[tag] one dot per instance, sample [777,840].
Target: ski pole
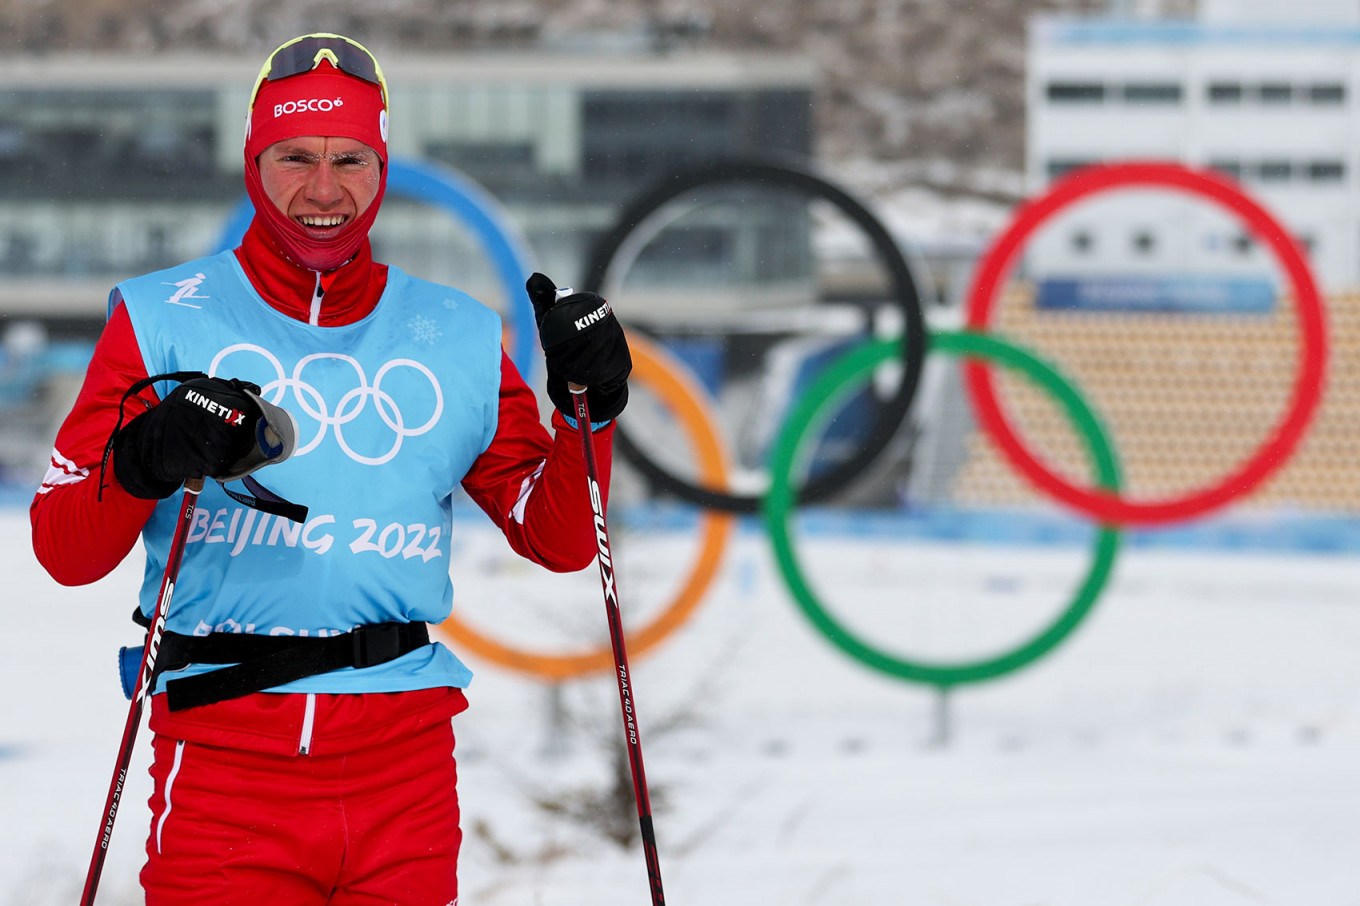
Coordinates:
[611,605]
[192,487]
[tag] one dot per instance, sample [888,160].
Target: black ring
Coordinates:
[781,173]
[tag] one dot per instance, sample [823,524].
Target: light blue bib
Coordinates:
[391,411]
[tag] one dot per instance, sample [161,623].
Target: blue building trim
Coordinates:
[1106,32]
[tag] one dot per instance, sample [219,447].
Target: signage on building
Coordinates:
[1188,293]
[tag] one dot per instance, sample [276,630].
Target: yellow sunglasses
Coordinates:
[306,53]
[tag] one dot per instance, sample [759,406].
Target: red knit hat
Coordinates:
[324,101]
[327,101]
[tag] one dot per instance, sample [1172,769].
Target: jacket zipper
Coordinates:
[315,316]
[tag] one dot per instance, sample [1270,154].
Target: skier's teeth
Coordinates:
[328,220]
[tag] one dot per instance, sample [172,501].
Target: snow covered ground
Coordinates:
[1196,743]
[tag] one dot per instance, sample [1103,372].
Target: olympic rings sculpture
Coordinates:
[688,401]
[1103,503]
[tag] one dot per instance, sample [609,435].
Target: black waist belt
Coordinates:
[261,662]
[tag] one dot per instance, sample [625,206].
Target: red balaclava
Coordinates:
[327,102]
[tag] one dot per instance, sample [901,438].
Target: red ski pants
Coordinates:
[376,826]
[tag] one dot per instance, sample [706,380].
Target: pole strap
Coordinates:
[259,497]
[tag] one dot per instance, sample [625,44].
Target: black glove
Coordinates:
[201,429]
[584,344]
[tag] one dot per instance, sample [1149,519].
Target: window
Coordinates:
[111,143]
[1326,171]
[1329,93]
[1060,166]
[498,166]
[631,137]
[1275,170]
[1152,93]
[1083,242]
[1076,92]
[1276,92]
[1227,167]
[1144,242]
[1225,92]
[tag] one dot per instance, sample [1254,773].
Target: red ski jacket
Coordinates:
[530,482]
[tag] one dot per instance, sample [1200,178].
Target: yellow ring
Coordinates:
[653,366]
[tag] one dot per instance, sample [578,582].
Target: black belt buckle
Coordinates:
[377,643]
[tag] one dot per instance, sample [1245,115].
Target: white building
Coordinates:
[1265,92]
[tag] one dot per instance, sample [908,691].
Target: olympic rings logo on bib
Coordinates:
[312,403]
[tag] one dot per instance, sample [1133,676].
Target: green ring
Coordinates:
[831,388]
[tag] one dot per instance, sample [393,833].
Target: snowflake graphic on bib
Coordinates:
[424,330]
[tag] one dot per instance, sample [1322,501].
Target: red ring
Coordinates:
[1111,508]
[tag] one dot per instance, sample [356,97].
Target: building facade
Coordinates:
[1254,92]
[113,167]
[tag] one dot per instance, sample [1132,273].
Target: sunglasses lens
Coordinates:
[301,56]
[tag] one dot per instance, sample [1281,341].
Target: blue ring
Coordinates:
[476,209]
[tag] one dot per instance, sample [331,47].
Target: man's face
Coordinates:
[321,183]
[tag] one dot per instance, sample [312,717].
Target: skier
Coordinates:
[318,767]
